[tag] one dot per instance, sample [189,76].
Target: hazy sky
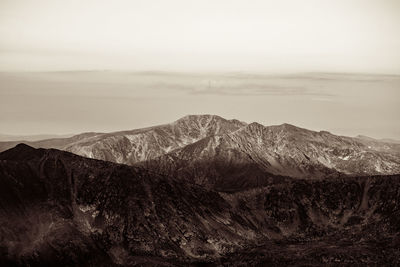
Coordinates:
[74,102]
[201,35]
[201,42]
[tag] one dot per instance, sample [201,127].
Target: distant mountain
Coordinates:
[138,145]
[373,140]
[57,208]
[261,154]
[59,143]
[134,146]
[38,137]
[187,146]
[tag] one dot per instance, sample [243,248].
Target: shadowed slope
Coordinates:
[60,208]
[264,153]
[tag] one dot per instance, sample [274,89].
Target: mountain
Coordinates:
[187,145]
[59,143]
[129,147]
[57,208]
[377,141]
[10,138]
[141,144]
[257,155]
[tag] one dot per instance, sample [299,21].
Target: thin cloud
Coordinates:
[258,89]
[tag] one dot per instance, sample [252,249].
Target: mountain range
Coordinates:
[232,155]
[61,209]
[202,190]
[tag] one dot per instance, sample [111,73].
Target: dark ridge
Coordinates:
[20,152]
[66,210]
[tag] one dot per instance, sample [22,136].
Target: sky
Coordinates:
[206,35]
[107,101]
[77,66]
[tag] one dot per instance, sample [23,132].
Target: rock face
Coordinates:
[57,208]
[257,155]
[293,151]
[134,146]
[81,208]
[188,144]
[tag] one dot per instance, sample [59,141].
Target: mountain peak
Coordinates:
[19,152]
[208,120]
[255,125]
[23,146]
[197,117]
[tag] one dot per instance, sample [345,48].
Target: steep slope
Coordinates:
[290,150]
[129,147]
[263,153]
[213,163]
[185,146]
[139,145]
[335,222]
[61,209]
[88,209]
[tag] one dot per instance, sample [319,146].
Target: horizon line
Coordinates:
[359,135]
[156,71]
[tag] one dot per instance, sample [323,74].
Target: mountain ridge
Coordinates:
[279,150]
[58,208]
[283,149]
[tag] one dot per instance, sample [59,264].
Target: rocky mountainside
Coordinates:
[309,153]
[62,208]
[133,146]
[257,155]
[57,208]
[192,142]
